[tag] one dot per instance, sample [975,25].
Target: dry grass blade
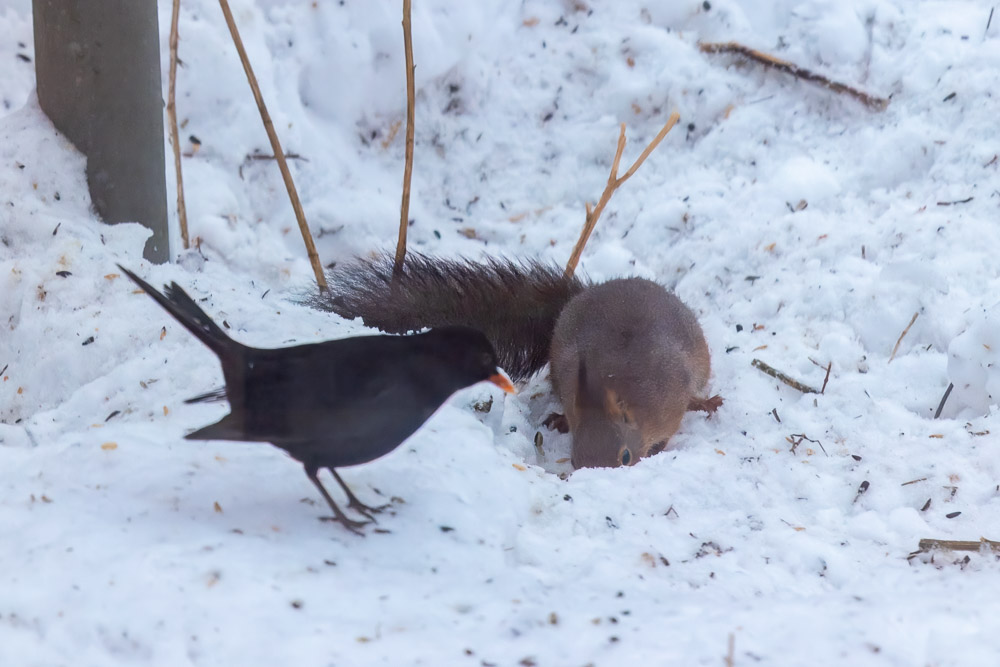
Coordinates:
[404,212]
[899,341]
[172,120]
[279,154]
[614,182]
[766,59]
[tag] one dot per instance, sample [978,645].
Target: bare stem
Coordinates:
[279,155]
[172,120]
[404,212]
[614,182]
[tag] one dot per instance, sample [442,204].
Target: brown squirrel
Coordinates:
[628,357]
[628,360]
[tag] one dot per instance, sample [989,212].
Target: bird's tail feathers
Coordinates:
[184,309]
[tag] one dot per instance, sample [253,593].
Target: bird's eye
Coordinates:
[626,456]
[487,359]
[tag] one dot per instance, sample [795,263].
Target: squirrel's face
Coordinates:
[600,441]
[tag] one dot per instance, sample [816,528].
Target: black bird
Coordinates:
[339,402]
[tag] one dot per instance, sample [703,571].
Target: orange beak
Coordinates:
[501,380]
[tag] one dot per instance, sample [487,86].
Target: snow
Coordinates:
[125,543]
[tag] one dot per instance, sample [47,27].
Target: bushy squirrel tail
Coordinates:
[515,303]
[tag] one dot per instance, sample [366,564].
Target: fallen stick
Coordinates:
[778,375]
[876,103]
[172,120]
[928,544]
[279,154]
[593,213]
[404,212]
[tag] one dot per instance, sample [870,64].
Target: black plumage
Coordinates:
[335,403]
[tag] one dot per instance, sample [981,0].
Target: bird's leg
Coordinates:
[354,503]
[338,516]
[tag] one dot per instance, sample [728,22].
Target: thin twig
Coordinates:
[957,201]
[182,218]
[730,660]
[279,154]
[614,182]
[264,156]
[404,212]
[958,545]
[944,399]
[901,336]
[778,375]
[876,103]
[827,368]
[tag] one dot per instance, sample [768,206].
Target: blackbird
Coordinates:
[336,403]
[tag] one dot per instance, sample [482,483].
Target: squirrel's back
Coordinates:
[516,304]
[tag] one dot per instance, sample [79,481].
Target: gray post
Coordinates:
[97,63]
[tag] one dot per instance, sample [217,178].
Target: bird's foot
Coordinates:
[557,422]
[354,503]
[350,524]
[366,510]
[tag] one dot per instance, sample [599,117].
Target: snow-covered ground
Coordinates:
[801,226]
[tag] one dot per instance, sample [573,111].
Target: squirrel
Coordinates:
[628,358]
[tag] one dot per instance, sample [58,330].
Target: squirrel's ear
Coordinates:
[616,408]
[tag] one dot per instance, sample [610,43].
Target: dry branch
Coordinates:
[958,545]
[895,348]
[404,213]
[778,375]
[876,103]
[172,120]
[279,154]
[614,182]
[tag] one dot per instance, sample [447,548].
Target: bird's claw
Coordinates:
[350,524]
[367,510]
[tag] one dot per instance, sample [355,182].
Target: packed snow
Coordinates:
[803,228]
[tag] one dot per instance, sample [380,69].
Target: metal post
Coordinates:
[97,64]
